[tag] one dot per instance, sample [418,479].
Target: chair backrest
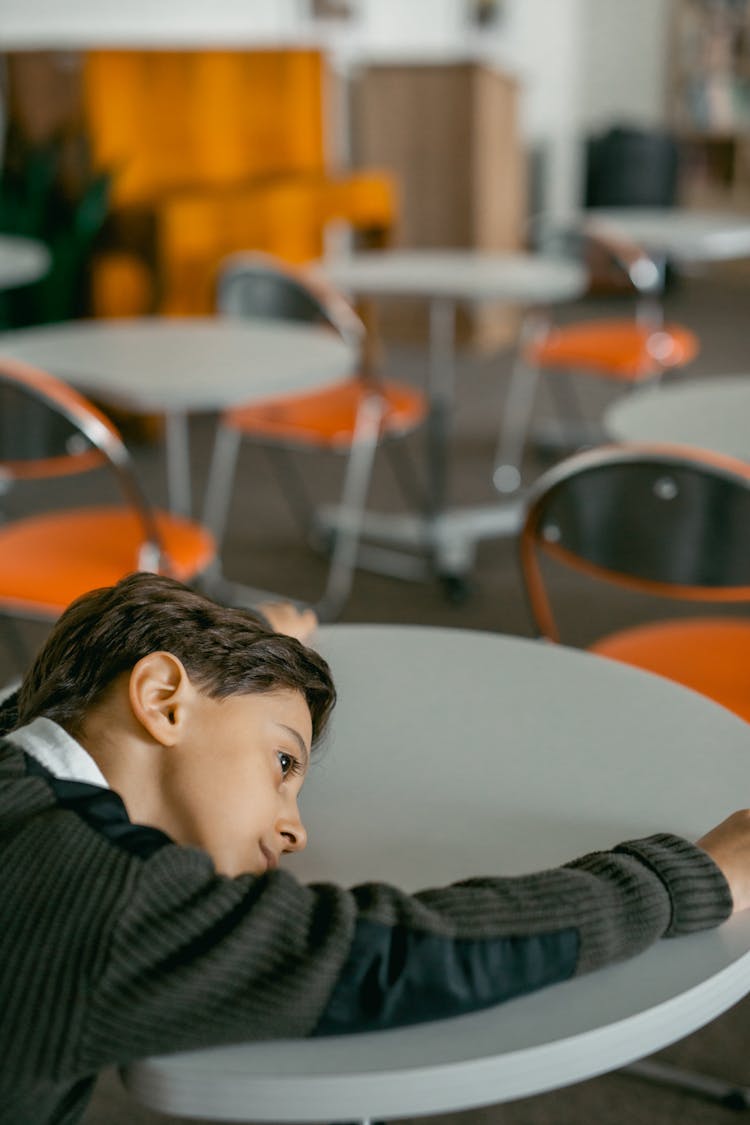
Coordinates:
[252,284]
[87,433]
[667,520]
[35,442]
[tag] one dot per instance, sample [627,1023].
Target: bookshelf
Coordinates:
[709,96]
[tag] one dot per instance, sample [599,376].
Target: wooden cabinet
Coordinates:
[449,135]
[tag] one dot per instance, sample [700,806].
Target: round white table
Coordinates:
[447,278]
[471,276]
[678,234]
[709,413]
[22,260]
[456,753]
[180,366]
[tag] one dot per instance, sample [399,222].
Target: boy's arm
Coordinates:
[526,932]
[196,959]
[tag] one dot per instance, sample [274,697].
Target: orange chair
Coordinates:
[352,416]
[662,520]
[52,556]
[625,351]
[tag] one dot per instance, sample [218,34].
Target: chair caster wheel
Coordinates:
[456,588]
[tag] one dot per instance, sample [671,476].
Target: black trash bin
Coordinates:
[631,167]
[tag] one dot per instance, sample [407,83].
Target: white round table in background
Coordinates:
[709,413]
[470,276]
[677,233]
[456,753]
[22,260]
[447,279]
[177,366]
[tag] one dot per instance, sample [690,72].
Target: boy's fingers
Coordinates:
[287,618]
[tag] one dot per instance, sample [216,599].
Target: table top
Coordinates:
[190,364]
[21,260]
[681,234]
[457,753]
[464,275]
[710,413]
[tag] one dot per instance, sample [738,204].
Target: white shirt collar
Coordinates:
[50,745]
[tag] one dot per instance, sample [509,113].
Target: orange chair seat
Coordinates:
[46,561]
[710,655]
[327,417]
[618,349]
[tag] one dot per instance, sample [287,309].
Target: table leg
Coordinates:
[515,421]
[438,540]
[441,378]
[178,462]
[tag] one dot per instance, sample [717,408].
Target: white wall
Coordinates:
[53,23]
[582,63]
[626,46]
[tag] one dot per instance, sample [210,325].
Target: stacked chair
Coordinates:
[49,556]
[352,416]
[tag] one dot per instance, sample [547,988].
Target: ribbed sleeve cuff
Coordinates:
[699,893]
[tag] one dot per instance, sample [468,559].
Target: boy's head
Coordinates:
[198,715]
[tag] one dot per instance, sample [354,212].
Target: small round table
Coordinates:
[446,279]
[22,260]
[178,366]
[676,233]
[709,413]
[456,753]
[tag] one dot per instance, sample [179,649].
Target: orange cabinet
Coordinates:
[226,149]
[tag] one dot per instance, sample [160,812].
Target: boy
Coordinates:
[148,792]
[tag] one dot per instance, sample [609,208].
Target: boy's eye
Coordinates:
[288,763]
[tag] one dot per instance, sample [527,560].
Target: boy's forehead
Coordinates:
[286,705]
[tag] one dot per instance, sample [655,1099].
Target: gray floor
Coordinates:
[265,549]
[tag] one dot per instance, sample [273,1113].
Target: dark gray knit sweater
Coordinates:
[116,943]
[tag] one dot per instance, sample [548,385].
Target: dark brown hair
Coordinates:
[225,650]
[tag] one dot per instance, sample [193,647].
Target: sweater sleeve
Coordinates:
[194,959]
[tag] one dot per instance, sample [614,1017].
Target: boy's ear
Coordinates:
[158,690]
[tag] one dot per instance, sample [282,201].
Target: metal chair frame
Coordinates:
[101,435]
[309,299]
[668,569]
[102,446]
[646,276]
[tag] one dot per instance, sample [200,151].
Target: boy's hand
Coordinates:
[284,617]
[729,847]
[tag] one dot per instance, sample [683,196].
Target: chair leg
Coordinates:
[514,425]
[515,422]
[405,473]
[220,479]
[292,485]
[352,510]
[575,429]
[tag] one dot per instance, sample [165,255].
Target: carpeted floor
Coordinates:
[265,549]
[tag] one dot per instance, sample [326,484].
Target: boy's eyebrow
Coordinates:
[299,740]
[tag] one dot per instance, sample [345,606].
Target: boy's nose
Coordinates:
[293,832]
